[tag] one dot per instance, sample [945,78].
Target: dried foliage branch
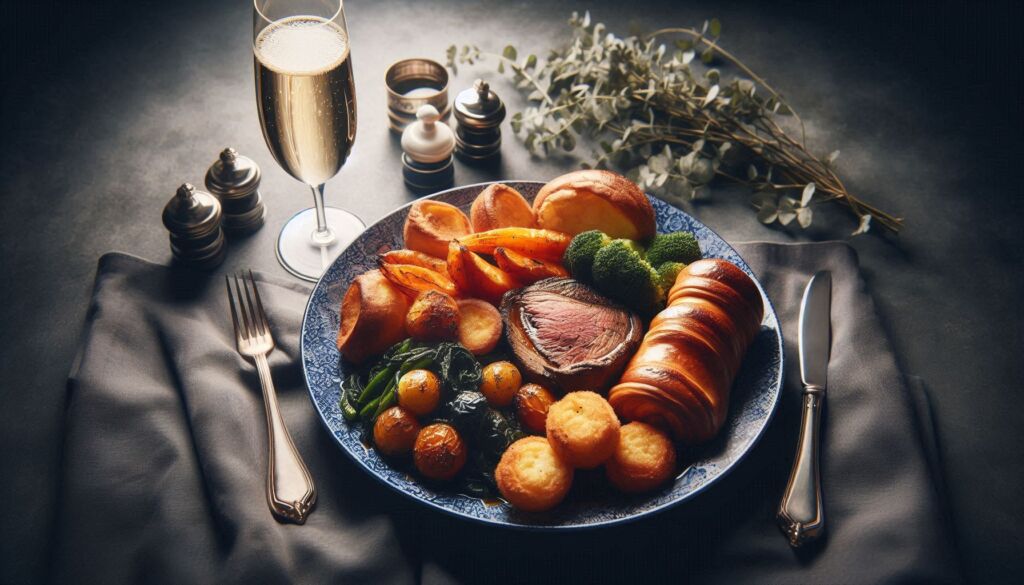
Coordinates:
[668,118]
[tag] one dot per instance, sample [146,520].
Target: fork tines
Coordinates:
[254,317]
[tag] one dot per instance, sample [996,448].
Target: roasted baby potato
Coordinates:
[476,277]
[415,258]
[479,326]
[535,243]
[419,392]
[532,403]
[583,429]
[395,431]
[531,476]
[439,453]
[431,224]
[433,316]
[500,382]
[413,280]
[643,460]
[525,269]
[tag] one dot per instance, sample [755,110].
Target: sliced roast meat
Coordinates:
[567,337]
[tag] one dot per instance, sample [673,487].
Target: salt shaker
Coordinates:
[235,180]
[194,219]
[427,158]
[479,112]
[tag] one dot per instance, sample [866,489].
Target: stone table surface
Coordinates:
[108,106]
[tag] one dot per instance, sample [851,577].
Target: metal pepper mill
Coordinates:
[235,180]
[479,112]
[194,219]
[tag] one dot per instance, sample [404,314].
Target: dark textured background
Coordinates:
[108,106]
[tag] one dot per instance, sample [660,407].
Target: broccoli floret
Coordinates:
[674,247]
[621,272]
[579,256]
[667,274]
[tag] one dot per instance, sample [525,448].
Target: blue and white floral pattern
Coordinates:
[591,502]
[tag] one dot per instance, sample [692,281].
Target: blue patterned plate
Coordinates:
[591,502]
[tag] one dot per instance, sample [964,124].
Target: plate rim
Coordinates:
[780,381]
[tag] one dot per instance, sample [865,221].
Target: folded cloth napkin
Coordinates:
[165,455]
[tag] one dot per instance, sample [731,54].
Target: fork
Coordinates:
[290,490]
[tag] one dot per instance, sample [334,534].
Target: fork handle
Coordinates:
[290,490]
[801,514]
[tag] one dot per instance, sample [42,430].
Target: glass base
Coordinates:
[298,248]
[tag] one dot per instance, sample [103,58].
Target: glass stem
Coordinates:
[323,235]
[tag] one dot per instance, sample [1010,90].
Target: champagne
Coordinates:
[306,96]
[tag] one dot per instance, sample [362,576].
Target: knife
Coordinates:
[801,515]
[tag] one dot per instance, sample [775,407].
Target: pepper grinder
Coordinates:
[235,180]
[479,112]
[427,158]
[193,218]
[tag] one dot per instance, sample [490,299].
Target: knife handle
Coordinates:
[801,514]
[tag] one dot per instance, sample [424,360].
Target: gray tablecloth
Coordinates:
[165,454]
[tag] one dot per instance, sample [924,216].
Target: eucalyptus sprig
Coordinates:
[667,116]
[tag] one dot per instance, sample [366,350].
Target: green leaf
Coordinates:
[715,28]
[531,62]
[509,53]
[501,67]
[708,55]
[684,44]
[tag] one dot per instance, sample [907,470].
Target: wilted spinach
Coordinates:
[456,367]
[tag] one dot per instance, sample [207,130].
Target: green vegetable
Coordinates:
[579,256]
[465,412]
[674,247]
[454,365]
[667,274]
[621,272]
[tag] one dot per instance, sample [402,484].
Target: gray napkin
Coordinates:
[165,457]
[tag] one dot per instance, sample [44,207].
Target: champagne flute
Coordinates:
[307,104]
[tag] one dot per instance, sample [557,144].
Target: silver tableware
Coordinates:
[411,84]
[801,514]
[290,490]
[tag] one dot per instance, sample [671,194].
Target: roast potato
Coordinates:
[479,326]
[419,392]
[643,460]
[531,404]
[531,476]
[439,453]
[395,431]
[433,316]
[583,429]
[500,382]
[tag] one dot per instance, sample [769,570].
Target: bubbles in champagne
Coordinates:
[301,45]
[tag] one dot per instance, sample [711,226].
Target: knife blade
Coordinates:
[801,512]
[816,330]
